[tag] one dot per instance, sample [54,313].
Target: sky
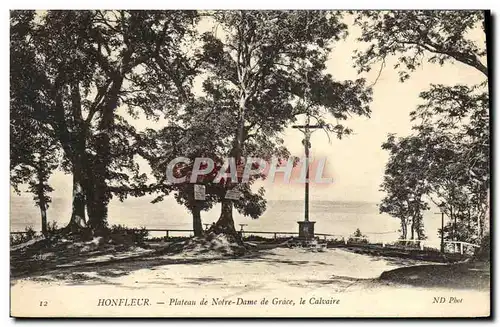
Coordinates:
[356,163]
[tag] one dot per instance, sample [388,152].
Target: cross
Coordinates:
[306,130]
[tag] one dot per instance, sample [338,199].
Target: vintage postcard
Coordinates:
[249,163]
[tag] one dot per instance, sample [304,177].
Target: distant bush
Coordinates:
[406,244]
[52,228]
[335,241]
[29,234]
[429,249]
[169,239]
[357,238]
[483,253]
[135,235]
[268,240]
[255,238]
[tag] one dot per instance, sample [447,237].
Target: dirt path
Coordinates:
[281,273]
[279,267]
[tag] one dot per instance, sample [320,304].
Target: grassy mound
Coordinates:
[64,250]
[208,246]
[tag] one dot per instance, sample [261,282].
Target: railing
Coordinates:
[422,244]
[168,231]
[275,234]
[462,244]
[17,233]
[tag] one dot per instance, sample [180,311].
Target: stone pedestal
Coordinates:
[306,229]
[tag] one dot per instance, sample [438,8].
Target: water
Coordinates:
[332,217]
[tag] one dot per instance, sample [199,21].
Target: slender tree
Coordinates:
[34,154]
[405,184]
[452,122]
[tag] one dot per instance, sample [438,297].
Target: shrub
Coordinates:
[255,238]
[169,239]
[483,252]
[358,238]
[407,244]
[52,228]
[141,234]
[15,239]
[29,234]
[335,241]
[137,235]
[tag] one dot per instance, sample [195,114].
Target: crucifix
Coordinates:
[306,227]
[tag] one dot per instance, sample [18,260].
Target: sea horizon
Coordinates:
[337,217]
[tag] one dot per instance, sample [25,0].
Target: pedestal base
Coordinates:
[306,229]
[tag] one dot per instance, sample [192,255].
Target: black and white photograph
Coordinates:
[250,163]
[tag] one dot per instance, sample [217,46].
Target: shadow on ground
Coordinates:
[469,275]
[104,272]
[399,254]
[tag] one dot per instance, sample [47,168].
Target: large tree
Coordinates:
[260,64]
[200,131]
[88,65]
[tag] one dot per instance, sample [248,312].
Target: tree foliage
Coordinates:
[404,184]
[262,66]
[415,36]
[81,77]
[84,73]
[445,160]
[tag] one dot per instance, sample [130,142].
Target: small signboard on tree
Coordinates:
[233,194]
[199,192]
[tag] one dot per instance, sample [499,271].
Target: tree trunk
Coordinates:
[89,193]
[78,220]
[403,228]
[40,190]
[43,214]
[413,228]
[479,229]
[225,223]
[454,218]
[100,199]
[79,162]
[99,204]
[197,227]
[101,196]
